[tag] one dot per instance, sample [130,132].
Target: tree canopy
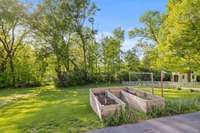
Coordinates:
[56,41]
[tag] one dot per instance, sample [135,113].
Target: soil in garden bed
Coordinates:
[119,95]
[141,96]
[104,99]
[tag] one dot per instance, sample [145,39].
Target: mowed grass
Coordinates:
[46,109]
[58,110]
[173,94]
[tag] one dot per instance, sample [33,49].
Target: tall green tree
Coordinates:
[148,37]
[52,24]
[132,62]
[152,21]
[180,36]
[12,30]
[61,25]
[112,52]
[84,10]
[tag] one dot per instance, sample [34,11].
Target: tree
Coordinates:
[180,36]
[118,34]
[52,23]
[148,37]
[2,60]
[12,30]
[61,25]
[152,21]
[84,11]
[131,60]
[112,52]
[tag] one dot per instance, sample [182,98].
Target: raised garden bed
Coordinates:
[117,92]
[104,103]
[141,100]
[138,99]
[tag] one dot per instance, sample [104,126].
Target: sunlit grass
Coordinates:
[50,109]
[170,93]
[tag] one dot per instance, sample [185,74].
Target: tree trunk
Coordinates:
[189,75]
[84,53]
[12,71]
[3,65]
[68,58]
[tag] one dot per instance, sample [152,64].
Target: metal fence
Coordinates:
[165,84]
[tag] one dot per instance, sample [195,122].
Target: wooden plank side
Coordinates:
[94,103]
[134,101]
[141,104]
[104,110]
[120,102]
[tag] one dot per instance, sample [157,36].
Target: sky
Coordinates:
[121,13]
[125,14]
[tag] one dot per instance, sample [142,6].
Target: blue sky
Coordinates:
[123,13]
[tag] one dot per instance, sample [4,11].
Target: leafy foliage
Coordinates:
[179,36]
[55,41]
[124,117]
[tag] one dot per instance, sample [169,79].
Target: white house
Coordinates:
[183,77]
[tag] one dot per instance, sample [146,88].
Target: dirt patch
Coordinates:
[104,99]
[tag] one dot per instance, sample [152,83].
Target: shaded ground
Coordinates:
[50,109]
[188,123]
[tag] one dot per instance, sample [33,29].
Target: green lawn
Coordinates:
[50,109]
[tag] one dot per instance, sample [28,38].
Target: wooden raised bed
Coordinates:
[141,100]
[104,103]
[138,99]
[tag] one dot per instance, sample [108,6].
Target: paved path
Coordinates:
[189,123]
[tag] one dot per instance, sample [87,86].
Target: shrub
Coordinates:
[23,85]
[192,90]
[65,79]
[156,112]
[174,107]
[124,117]
[123,76]
[179,88]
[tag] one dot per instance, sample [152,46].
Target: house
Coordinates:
[183,77]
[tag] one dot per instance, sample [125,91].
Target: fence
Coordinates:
[165,84]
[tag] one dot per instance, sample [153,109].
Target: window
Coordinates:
[192,76]
[183,76]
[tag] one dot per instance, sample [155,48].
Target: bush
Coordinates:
[173,107]
[23,85]
[124,117]
[66,79]
[176,107]
[192,90]
[96,78]
[77,77]
[123,76]
[4,81]
[179,88]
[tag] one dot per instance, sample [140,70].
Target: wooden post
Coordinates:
[129,74]
[152,83]
[161,79]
